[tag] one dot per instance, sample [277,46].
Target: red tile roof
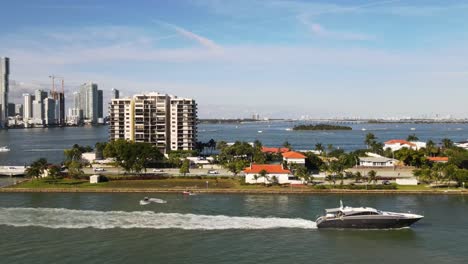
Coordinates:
[274,150]
[438,159]
[269,168]
[399,141]
[293,155]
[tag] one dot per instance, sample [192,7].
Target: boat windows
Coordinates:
[363,213]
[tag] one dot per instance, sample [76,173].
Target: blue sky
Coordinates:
[277,58]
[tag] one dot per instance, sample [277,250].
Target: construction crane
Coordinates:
[53,77]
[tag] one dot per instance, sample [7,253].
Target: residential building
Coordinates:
[75,116]
[49,112]
[19,109]
[167,121]
[100,107]
[397,144]
[438,159]
[4,89]
[273,173]
[462,144]
[59,98]
[183,120]
[87,99]
[38,113]
[377,162]
[121,119]
[115,94]
[38,107]
[28,108]
[292,157]
[274,150]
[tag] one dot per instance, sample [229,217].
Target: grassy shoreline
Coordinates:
[226,186]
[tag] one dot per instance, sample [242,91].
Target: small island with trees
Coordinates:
[320,127]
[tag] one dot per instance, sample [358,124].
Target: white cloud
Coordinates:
[319,30]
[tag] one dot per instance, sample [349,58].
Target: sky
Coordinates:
[277,58]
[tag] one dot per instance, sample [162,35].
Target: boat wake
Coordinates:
[78,219]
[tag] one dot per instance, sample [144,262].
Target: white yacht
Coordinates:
[365,218]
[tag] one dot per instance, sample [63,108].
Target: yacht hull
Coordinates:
[367,223]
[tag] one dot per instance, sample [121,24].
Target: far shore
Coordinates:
[231,191]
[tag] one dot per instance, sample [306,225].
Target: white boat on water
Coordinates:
[4,149]
[147,201]
[260,131]
[413,129]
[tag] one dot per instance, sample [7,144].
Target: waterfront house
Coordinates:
[397,144]
[438,159]
[274,150]
[292,157]
[462,144]
[379,162]
[273,173]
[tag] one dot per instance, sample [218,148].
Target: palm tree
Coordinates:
[370,139]
[372,176]
[256,178]
[264,174]
[287,145]
[37,168]
[357,176]
[447,143]
[319,147]
[430,148]
[412,137]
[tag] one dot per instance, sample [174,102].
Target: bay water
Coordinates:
[29,144]
[221,228]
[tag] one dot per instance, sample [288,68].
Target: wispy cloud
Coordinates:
[320,31]
[203,41]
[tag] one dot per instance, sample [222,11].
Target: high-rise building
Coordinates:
[115,94]
[38,107]
[28,107]
[168,122]
[88,100]
[11,109]
[4,89]
[19,109]
[183,123]
[59,98]
[49,111]
[100,108]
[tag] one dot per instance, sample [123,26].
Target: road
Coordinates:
[168,172]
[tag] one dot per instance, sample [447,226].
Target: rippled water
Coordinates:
[114,228]
[29,144]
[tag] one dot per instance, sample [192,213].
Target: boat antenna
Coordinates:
[341,204]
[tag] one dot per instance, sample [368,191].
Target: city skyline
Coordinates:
[281,59]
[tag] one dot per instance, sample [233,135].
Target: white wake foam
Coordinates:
[76,219]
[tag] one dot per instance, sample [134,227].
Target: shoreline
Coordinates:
[227,191]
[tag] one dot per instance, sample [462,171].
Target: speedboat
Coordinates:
[147,200]
[365,218]
[4,149]
[188,193]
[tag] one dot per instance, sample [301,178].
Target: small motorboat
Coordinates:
[260,131]
[147,200]
[188,193]
[365,218]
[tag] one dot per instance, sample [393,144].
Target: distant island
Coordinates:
[320,127]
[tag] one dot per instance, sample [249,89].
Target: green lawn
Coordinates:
[174,183]
[137,184]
